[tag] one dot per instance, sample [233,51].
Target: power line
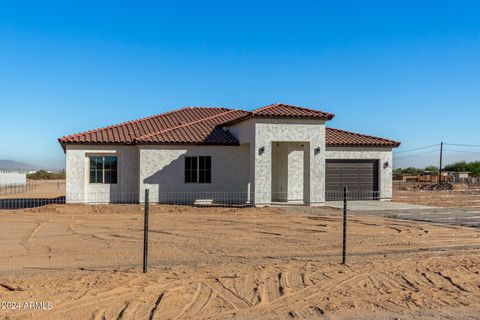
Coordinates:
[416,149]
[463,145]
[416,155]
[462,151]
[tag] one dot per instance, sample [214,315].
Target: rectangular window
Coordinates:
[198,169]
[204,169]
[191,172]
[103,170]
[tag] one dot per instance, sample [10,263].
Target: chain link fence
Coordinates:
[89,232]
[17,188]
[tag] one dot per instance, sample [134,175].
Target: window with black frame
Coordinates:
[204,169]
[103,169]
[198,169]
[191,172]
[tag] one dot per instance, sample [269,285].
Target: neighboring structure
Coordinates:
[424,177]
[461,177]
[275,153]
[12,177]
[446,177]
[430,177]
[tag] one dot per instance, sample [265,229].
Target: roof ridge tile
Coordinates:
[146,137]
[386,142]
[125,123]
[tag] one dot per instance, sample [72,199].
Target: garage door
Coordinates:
[360,176]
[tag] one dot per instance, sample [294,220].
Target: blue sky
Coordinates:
[407,70]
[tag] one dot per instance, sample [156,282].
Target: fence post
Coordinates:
[145,234]
[344,240]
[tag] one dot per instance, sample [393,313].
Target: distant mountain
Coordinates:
[16,165]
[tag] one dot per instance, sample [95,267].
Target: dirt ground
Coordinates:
[468,199]
[36,189]
[234,263]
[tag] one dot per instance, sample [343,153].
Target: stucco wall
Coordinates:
[384,155]
[289,130]
[162,172]
[289,168]
[244,131]
[296,168]
[78,187]
[279,171]
[8,177]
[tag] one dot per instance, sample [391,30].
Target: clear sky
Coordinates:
[407,70]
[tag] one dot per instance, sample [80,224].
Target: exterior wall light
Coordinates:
[316,150]
[386,165]
[261,150]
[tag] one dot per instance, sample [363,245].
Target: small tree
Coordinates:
[473,168]
[432,169]
[463,166]
[457,166]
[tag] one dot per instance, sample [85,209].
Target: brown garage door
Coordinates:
[360,176]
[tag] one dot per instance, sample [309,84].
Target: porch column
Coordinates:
[317,169]
[262,171]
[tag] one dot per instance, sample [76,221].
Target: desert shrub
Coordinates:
[462,166]
[44,175]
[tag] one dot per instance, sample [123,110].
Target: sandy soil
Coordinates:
[38,189]
[468,199]
[217,263]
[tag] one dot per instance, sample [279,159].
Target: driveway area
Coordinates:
[406,211]
[375,205]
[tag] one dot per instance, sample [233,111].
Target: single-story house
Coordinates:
[461,177]
[277,153]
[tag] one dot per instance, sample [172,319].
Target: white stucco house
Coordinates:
[277,153]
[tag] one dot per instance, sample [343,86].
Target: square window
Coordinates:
[103,170]
[198,169]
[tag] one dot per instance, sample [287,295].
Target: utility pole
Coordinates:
[440,168]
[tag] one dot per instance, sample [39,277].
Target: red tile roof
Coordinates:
[204,130]
[280,110]
[288,111]
[337,137]
[187,125]
[205,125]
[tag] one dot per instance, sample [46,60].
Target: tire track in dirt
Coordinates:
[237,301]
[26,240]
[153,312]
[269,287]
[450,280]
[282,303]
[90,300]
[7,287]
[35,230]
[122,311]
[99,315]
[202,296]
